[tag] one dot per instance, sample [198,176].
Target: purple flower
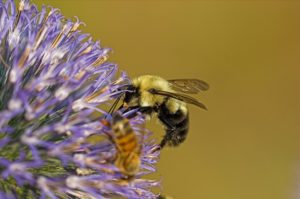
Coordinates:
[54,85]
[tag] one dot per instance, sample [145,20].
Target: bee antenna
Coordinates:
[113,107]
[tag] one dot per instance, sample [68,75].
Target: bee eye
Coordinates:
[151,90]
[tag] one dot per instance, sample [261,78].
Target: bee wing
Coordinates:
[179,96]
[191,86]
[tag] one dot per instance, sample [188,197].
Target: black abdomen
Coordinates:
[177,125]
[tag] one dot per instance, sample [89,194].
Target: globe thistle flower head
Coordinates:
[53,79]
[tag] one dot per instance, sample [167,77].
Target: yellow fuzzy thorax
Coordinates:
[146,82]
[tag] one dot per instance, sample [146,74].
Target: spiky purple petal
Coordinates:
[53,81]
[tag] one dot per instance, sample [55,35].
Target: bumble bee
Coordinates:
[152,94]
[127,145]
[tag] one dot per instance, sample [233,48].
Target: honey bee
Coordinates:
[155,95]
[127,145]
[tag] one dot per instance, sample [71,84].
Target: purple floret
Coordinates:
[54,84]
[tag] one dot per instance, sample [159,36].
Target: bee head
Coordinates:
[131,95]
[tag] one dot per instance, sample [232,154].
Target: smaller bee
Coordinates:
[127,144]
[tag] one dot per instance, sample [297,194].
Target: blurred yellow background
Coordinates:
[246,146]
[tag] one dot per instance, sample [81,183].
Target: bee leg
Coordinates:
[167,138]
[162,143]
[170,129]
